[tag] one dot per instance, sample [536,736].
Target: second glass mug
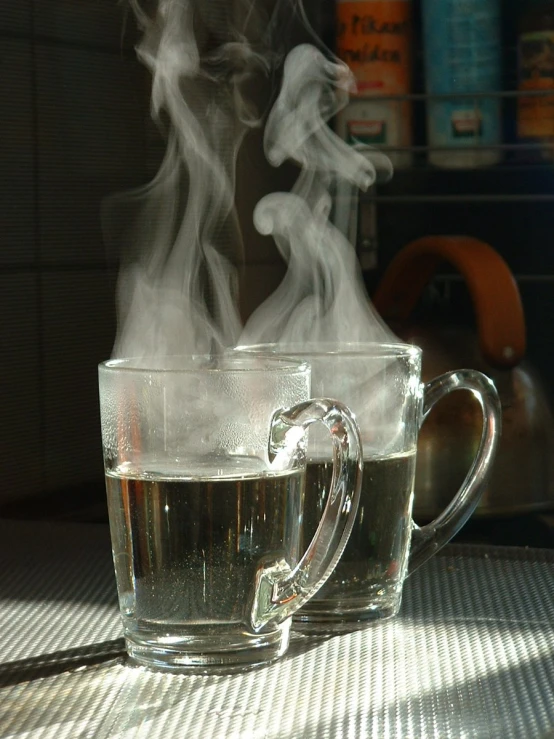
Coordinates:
[205,469]
[381,384]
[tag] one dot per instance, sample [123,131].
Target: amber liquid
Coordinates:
[367,581]
[187,549]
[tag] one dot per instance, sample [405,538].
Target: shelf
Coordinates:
[521,154]
[513,180]
[459,198]
[522,148]
[532,279]
[437,97]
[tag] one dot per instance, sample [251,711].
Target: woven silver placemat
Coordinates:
[57,588]
[471,655]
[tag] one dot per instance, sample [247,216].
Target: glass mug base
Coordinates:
[205,649]
[348,614]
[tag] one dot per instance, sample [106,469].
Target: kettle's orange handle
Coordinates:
[495,295]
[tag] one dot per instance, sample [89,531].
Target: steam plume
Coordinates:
[322,298]
[176,290]
[177,286]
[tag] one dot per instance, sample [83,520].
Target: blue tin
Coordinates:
[463,55]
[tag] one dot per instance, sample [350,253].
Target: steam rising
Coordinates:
[175,268]
[322,303]
[177,288]
[322,298]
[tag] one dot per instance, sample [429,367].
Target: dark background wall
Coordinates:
[73,102]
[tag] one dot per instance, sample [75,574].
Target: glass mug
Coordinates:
[205,470]
[381,384]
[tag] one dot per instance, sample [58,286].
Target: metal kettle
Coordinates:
[523,477]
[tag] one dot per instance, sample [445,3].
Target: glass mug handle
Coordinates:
[427,540]
[279,590]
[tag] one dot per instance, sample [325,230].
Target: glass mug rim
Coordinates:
[371,349]
[228,363]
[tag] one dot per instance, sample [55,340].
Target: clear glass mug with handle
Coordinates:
[205,471]
[381,384]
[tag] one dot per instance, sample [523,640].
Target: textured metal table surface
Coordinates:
[471,655]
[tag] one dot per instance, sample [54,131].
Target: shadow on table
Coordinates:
[518,701]
[56,562]
[35,692]
[57,663]
[68,660]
